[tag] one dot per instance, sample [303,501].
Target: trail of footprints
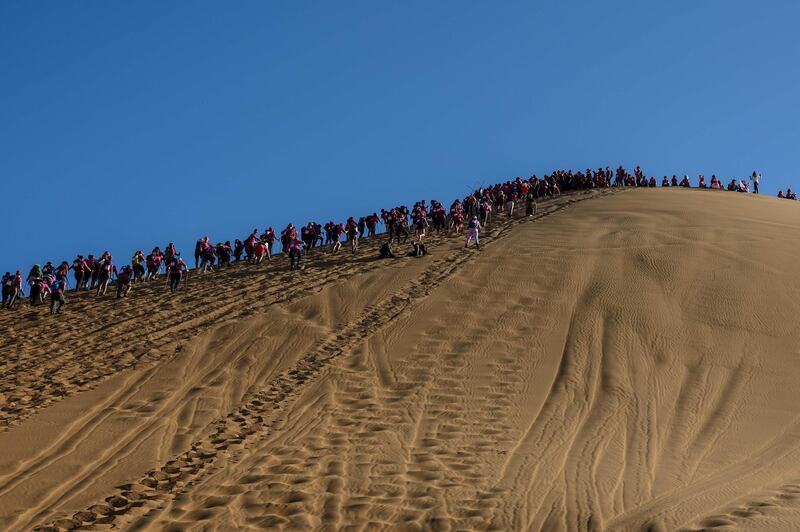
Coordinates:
[415,501]
[52,362]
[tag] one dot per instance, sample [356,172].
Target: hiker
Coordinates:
[473,228]
[44,287]
[34,280]
[238,249]
[288,235]
[7,283]
[48,268]
[372,224]
[124,278]
[224,254]
[307,235]
[295,252]
[362,226]
[511,200]
[486,212]
[419,249]
[456,216]
[269,238]
[259,252]
[57,290]
[62,270]
[175,269]
[439,216]
[685,182]
[207,256]
[79,268]
[37,291]
[199,246]
[755,178]
[106,268]
[16,290]
[170,253]
[352,232]
[420,219]
[456,220]
[530,205]
[249,244]
[336,231]
[137,265]
[400,227]
[386,251]
[665,182]
[153,262]
[702,181]
[94,266]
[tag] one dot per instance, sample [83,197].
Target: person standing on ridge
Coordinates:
[755,178]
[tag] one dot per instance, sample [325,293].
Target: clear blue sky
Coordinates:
[129,124]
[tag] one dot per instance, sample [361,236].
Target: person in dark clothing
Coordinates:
[386,251]
[57,295]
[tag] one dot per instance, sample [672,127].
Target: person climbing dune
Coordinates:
[176,269]
[473,228]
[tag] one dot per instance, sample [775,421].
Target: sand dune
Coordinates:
[625,360]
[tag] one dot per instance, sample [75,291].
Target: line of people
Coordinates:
[473,212]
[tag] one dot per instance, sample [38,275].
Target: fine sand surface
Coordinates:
[625,360]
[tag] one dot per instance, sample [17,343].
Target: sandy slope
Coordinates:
[625,361]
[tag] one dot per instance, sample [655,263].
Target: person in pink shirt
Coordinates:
[295,253]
